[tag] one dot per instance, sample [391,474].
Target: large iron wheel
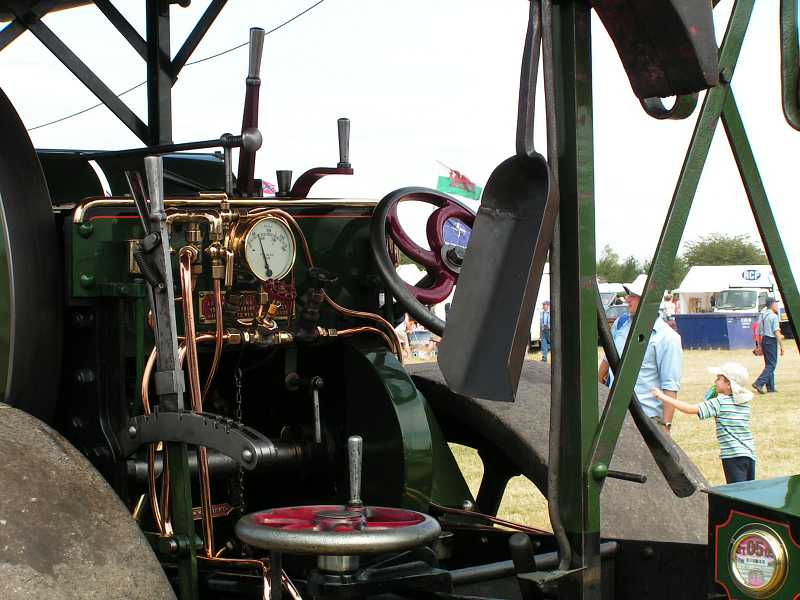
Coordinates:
[31,265]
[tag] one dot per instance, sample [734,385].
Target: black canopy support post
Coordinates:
[53,43]
[159,83]
[17,27]
[9,33]
[197,34]
[123,26]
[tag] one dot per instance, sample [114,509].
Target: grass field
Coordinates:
[775,424]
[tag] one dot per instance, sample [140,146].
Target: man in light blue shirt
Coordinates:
[769,332]
[661,368]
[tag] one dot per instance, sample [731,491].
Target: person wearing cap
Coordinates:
[728,401]
[544,329]
[771,339]
[662,366]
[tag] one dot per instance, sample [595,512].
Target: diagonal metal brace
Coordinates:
[614,413]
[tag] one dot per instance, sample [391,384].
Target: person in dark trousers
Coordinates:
[771,343]
[544,329]
[728,401]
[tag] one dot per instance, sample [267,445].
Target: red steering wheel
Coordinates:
[442,262]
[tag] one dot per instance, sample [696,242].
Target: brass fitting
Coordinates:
[216,253]
[229,262]
[193,234]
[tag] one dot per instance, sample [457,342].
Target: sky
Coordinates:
[422,81]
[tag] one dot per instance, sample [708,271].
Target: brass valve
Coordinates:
[218,267]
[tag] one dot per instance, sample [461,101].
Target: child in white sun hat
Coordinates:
[728,401]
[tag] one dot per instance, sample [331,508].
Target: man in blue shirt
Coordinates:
[769,332]
[544,329]
[661,368]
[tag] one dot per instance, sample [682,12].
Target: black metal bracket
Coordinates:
[154,50]
[243,444]
[415,579]
[544,585]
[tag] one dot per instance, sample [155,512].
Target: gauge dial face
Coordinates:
[269,248]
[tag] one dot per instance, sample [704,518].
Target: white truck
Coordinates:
[748,288]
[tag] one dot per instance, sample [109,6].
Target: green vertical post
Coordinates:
[762,212]
[579,503]
[183,521]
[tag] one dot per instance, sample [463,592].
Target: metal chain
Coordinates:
[237,381]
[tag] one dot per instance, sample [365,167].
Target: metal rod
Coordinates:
[556,358]
[317,419]
[505,568]
[169,385]
[625,476]
[355,450]
[227,140]
[663,450]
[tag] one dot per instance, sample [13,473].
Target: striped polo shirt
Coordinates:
[733,425]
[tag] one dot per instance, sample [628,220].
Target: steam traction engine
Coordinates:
[205,395]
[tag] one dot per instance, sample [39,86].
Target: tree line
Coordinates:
[713,249]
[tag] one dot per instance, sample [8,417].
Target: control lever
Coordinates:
[344,143]
[247,157]
[294,382]
[355,452]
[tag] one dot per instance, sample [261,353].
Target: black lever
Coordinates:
[294,382]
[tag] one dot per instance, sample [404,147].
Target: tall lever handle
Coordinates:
[355,450]
[344,143]
[247,156]
[256,50]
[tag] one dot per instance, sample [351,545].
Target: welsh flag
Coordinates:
[459,184]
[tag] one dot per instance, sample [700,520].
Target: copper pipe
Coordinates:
[490,519]
[151,450]
[357,330]
[218,338]
[395,344]
[187,256]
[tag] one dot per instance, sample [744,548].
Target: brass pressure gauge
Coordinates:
[269,248]
[758,561]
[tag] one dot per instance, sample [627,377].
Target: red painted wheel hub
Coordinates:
[336,518]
